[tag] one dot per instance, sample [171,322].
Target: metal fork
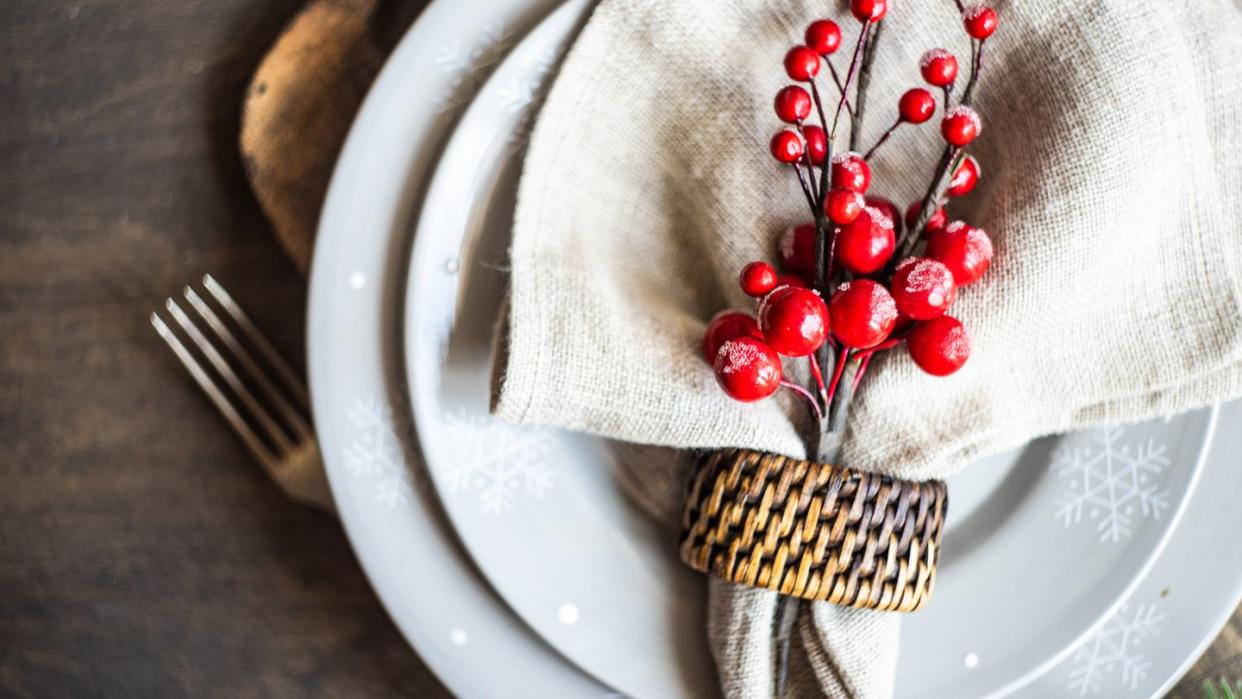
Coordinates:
[275,429]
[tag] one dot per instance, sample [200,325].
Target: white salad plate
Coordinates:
[1049,539]
[437,598]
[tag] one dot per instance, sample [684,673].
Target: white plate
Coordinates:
[435,597]
[1049,539]
[475,645]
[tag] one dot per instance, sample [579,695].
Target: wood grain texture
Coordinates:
[141,552]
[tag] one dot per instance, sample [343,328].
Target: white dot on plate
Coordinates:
[357,280]
[452,265]
[458,637]
[971,661]
[567,614]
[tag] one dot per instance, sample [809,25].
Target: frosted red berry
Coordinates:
[816,143]
[801,63]
[747,369]
[797,250]
[792,104]
[757,279]
[823,36]
[867,244]
[965,178]
[842,206]
[794,321]
[980,21]
[939,67]
[787,146]
[869,10]
[850,171]
[935,224]
[725,326]
[939,346]
[888,209]
[923,288]
[917,105]
[862,314]
[964,249]
[960,126]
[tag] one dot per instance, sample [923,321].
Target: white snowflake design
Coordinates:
[380,452]
[496,460]
[526,94]
[467,62]
[1110,482]
[1115,647]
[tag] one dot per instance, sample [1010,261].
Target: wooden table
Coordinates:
[141,552]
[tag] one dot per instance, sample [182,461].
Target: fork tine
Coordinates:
[247,435]
[290,414]
[269,353]
[269,425]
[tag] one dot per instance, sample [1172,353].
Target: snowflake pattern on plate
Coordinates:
[1110,482]
[468,62]
[526,94]
[379,453]
[1115,647]
[496,461]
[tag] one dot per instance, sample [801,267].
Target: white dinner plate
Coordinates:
[1049,539]
[450,616]
[461,630]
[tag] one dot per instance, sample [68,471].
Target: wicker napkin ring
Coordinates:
[812,530]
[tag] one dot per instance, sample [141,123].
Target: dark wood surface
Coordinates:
[141,552]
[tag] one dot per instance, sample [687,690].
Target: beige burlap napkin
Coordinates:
[1112,188]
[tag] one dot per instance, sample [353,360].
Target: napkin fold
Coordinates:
[1112,189]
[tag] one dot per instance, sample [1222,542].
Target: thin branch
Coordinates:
[864,79]
[836,78]
[807,395]
[871,151]
[806,188]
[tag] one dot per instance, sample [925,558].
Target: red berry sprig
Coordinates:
[863,276]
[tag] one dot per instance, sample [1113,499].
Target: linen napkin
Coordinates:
[1112,189]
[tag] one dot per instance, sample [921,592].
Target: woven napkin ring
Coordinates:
[814,531]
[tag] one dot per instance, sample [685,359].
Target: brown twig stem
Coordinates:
[871,151]
[864,79]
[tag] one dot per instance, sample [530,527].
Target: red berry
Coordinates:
[980,21]
[923,288]
[728,325]
[757,278]
[916,106]
[791,280]
[965,178]
[793,104]
[801,63]
[797,248]
[960,126]
[935,224]
[842,206]
[823,36]
[889,209]
[747,369]
[787,146]
[869,10]
[866,245]
[964,249]
[850,171]
[862,313]
[794,321]
[816,143]
[939,67]
[939,346]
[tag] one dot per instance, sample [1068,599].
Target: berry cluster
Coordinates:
[861,277]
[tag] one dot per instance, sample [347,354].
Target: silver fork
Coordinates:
[284,443]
